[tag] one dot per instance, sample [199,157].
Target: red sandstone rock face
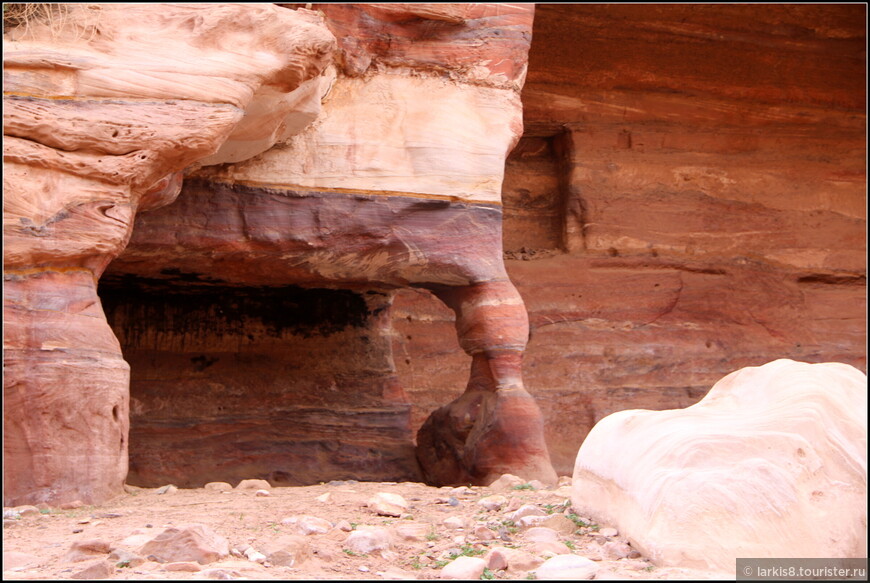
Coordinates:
[100,116]
[704,211]
[397,184]
[688,199]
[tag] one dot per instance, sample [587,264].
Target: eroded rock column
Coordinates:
[100,117]
[495,426]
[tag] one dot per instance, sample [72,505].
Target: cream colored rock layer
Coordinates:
[771,463]
[398,135]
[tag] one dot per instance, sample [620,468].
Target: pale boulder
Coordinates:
[771,463]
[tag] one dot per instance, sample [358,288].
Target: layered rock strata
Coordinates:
[772,463]
[688,199]
[104,106]
[396,184]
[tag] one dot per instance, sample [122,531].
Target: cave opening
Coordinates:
[288,384]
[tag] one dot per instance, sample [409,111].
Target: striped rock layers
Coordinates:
[104,106]
[396,184]
[387,173]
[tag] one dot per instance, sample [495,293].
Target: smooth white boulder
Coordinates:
[771,463]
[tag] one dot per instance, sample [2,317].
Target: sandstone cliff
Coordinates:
[689,198]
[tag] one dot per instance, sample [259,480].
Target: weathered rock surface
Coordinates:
[101,115]
[708,212]
[771,463]
[397,183]
[689,198]
[194,543]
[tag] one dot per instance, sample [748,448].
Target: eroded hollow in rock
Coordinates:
[289,384]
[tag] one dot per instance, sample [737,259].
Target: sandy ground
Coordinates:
[35,545]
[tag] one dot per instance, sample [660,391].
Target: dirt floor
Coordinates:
[36,544]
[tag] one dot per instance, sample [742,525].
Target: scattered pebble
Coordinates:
[567,567]
[96,570]
[464,568]
[388,504]
[254,485]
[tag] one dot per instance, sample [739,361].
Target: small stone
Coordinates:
[526,510]
[323,498]
[344,525]
[388,504]
[548,548]
[184,566]
[564,481]
[255,556]
[85,550]
[513,504]
[608,532]
[616,550]
[484,533]
[167,489]
[368,539]
[464,568]
[254,485]
[493,503]
[218,486]
[560,523]
[506,482]
[454,522]
[530,521]
[463,491]
[412,531]
[307,525]
[27,510]
[496,560]
[194,542]
[363,568]
[262,493]
[567,567]
[96,570]
[71,505]
[537,485]
[288,550]
[518,560]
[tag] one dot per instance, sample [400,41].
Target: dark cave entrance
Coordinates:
[292,385]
